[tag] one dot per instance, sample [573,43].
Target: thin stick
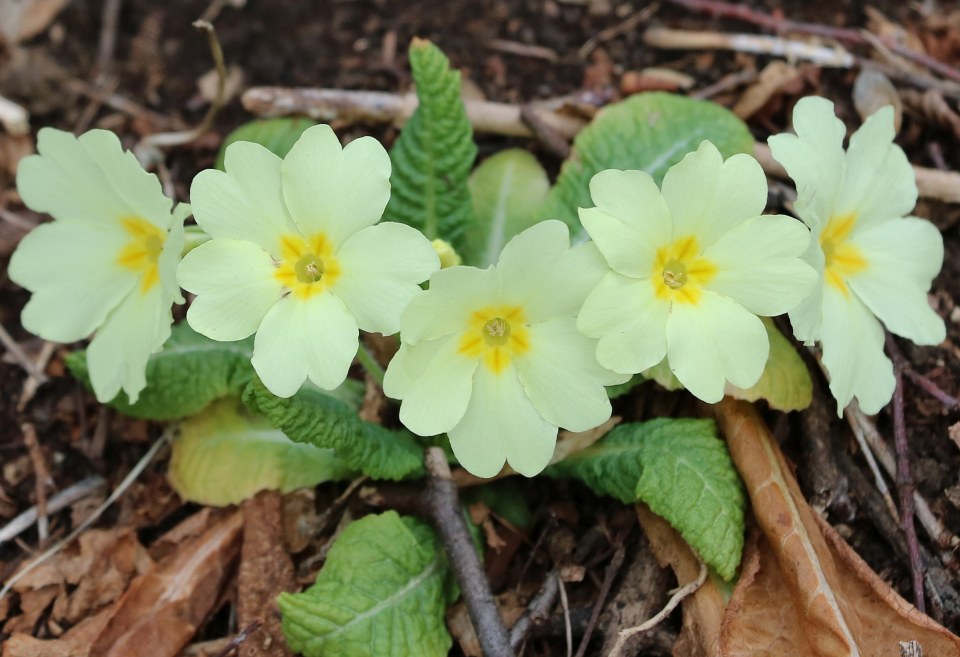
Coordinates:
[58,502]
[233,645]
[630,24]
[746,14]
[906,487]
[108,35]
[565,604]
[538,609]
[616,562]
[923,382]
[878,479]
[93,517]
[33,382]
[448,518]
[19,354]
[42,478]
[678,597]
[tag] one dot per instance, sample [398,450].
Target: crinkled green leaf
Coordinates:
[650,132]
[382,592]
[505,498]
[225,455]
[508,190]
[315,417]
[785,382]
[682,471]
[433,155]
[277,135]
[187,374]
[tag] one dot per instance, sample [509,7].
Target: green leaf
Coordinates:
[682,471]
[620,389]
[277,135]
[508,190]
[316,417]
[225,455]
[785,382]
[382,592]
[434,153]
[650,132]
[187,374]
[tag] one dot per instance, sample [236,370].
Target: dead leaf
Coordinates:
[873,90]
[954,432]
[266,570]
[162,610]
[772,79]
[32,605]
[511,606]
[811,592]
[75,642]
[21,20]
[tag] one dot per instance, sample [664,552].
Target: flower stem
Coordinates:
[370,364]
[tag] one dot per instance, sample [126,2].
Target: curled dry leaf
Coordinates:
[774,77]
[873,90]
[810,592]
[933,108]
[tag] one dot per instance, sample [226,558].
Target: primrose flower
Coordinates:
[493,357]
[106,263]
[296,257]
[874,262]
[692,267]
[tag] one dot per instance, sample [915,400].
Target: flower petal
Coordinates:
[707,196]
[758,265]
[90,178]
[904,256]
[382,268]
[444,308]
[813,157]
[235,288]
[437,400]
[408,365]
[852,344]
[313,338]
[713,341]
[539,271]
[72,271]
[118,354]
[805,318]
[245,202]
[501,424]
[332,190]
[630,322]
[630,222]
[562,378]
[879,183]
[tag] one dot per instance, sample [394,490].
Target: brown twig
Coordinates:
[554,142]
[922,382]
[608,576]
[537,611]
[523,49]
[628,25]
[234,644]
[448,518]
[905,486]
[58,502]
[774,24]
[108,35]
[42,478]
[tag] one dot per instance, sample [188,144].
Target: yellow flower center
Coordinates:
[142,250]
[680,272]
[496,334]
[306,266]
[841,258]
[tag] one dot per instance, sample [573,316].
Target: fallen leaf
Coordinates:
[873,90]
[810,593]
[775,76]
[75,642]
[266,570]
[22,20]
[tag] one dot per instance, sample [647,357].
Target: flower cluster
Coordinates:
[501,358]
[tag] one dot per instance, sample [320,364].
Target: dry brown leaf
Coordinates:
[811,592]
[32,605]
[266,570]
[511,606]
[162,610]
[933,108]
[772,79]
[21,20]
[873,90]
[75,642]
[702,611]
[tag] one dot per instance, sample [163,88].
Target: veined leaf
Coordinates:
[434,153]
[187,374]
[507,190]
[650,132]
[382,593]
[277,135]
[684,474]
[225,455]
[315,417]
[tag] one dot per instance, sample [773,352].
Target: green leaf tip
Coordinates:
[382,592]
[224,455]
[184,377]
[278,135]
[682,471]
[648,132]
[433,155]
[319,418]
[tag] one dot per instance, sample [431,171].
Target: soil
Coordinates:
[360,44]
